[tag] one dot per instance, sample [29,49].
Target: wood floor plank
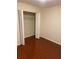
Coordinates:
[39,49]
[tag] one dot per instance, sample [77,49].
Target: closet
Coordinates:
[28,24]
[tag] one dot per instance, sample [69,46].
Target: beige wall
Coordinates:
[50,23]
[29,25]
[27,7]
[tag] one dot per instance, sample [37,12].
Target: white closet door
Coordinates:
[21,26]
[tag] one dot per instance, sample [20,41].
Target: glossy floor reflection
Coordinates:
[39,49]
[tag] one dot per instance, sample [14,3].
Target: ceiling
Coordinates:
[40,3]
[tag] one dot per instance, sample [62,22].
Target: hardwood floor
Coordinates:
[38,49]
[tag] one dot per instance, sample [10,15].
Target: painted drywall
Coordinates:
[27,7]
[51,24]
[29,25]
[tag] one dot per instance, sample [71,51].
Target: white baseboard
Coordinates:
[28,36]
[52,40]
[18,44]
[56,42]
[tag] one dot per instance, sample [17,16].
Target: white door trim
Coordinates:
[23,41]
[37,26]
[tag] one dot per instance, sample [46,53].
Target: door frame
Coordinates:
[37,25]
